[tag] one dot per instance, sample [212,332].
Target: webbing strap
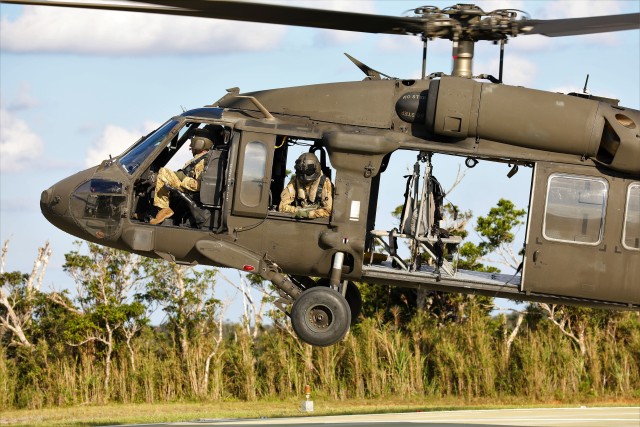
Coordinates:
[318,198]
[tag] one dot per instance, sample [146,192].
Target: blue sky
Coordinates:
[77,85]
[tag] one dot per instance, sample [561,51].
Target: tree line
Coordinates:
[99,345]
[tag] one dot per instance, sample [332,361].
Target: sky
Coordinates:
[77,85]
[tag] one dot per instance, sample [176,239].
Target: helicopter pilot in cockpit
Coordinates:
[309,193]
[185,179]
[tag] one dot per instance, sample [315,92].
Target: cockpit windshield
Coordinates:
[141,151]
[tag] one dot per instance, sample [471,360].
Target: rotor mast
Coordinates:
[463,58]
[464,25]
[466,16]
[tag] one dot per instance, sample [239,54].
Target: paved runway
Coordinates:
[542,417]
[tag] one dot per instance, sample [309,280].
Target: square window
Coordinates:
[575,209]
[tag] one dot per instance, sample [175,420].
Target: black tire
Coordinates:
[321,316]
[354,299]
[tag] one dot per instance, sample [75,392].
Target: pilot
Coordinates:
[309,193]
[186,179]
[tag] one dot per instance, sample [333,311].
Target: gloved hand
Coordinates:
[302,213]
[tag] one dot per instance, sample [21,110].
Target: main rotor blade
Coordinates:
[578,26]
[255,12]
[427,25]
[298,16]
[106,6]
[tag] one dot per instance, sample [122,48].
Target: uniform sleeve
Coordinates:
[192,183]
[326,204]
[287,197]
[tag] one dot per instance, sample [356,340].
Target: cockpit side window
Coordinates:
[133,158]
[287,150]
[188,158]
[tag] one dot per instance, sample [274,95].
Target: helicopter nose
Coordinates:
[53,208]
[54,202]
[50,202]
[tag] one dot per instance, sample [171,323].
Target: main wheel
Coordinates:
[321,316]
[354,299]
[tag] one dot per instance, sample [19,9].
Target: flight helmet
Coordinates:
[307,168]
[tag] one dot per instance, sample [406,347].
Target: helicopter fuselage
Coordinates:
[583,235]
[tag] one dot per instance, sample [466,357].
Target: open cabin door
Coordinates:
[583,238]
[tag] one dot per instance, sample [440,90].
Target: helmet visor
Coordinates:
[306,171]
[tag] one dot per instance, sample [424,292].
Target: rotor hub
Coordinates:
[469,22]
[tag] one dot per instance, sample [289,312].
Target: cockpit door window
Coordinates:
[251,193]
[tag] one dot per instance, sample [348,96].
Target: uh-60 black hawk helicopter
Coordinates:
[583,229]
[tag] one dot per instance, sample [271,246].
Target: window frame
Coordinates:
[604,207]
[238,207]
[626,215]
[248,171]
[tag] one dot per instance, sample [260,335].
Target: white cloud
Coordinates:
[578,9]
[48,29]
[23,99]
[400,43]
[19,145]
[526,43]
[114,140]
[333,37]
[58,30]
[491,5]
[566,89]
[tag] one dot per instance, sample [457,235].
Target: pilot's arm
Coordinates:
[288,197]
[192,181]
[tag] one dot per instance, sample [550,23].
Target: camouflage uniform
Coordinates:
[297,196]
[179,180]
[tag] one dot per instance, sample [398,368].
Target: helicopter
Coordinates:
[584,151]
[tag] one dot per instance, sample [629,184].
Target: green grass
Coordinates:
[171,412]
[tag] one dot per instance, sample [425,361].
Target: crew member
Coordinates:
[309,193]
[187,178]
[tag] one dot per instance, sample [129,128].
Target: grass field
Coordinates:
[172,412]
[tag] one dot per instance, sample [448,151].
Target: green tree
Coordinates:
[194,315]
[106,281]
[18,292]
[497,232]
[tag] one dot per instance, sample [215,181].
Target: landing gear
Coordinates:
[353,297]
[321,316]
[352,294]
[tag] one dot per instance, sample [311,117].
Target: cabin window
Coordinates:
[253,173]
[575,209]
[286,152]
[631,230]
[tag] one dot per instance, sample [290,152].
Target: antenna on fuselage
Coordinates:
[584,90]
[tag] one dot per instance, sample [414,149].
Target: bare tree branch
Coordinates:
[5,249]
[460,174]
[18,304]
[562,320]
[56,298]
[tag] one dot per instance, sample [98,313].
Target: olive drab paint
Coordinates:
[583,227]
